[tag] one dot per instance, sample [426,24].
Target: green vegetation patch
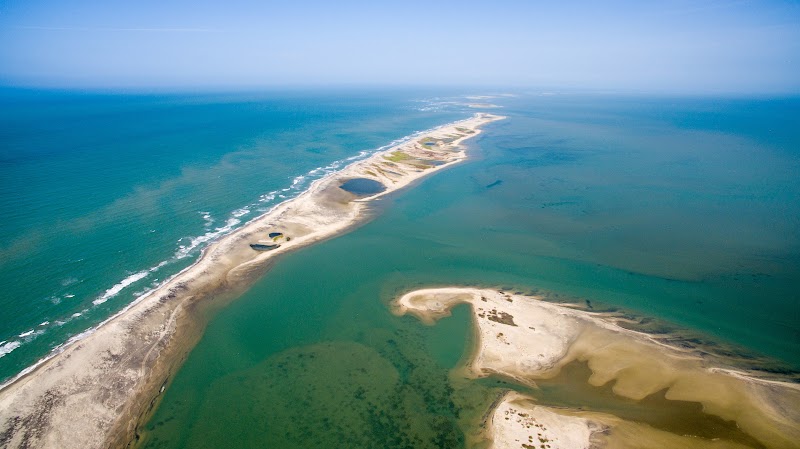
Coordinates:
[398,156]
[334,394]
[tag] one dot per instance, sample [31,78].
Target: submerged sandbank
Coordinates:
[98,390]
[525,339]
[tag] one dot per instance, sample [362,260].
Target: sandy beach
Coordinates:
[99,389]
[525,339]
[517,422]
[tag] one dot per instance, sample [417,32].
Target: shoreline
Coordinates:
[97,389]
[526,340]
[360,157]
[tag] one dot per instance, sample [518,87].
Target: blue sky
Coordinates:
[663,46]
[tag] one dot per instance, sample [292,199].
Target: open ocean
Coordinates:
[102,197]
[685,210]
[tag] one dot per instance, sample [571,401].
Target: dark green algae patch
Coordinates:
[379,389]
[334,394]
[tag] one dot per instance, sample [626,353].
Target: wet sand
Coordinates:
[524,339]
[98,390]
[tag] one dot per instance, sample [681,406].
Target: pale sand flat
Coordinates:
[518,423]
[524,338]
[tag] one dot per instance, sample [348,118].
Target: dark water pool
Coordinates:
[363,186]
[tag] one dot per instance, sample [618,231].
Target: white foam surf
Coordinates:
[116,289]
[8,346]
[194,242]
[238,213]
[207,218]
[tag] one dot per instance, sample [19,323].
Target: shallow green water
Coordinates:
[321,363]
[641,206]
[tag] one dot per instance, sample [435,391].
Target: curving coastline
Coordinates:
[526,340]
[99,388]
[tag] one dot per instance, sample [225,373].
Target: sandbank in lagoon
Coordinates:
[524,339]
[98,390]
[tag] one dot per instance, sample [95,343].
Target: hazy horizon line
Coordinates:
[496,89]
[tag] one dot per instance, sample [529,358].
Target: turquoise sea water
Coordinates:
[104,196]
[680,209]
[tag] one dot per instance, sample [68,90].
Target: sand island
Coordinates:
[100,388]
[526,340]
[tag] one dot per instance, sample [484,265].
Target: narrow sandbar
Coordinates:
[97,391]
[526,339]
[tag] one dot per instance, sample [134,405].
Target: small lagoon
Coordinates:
[362,186]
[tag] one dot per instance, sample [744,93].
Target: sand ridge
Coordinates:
[525,339]
[97,390]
